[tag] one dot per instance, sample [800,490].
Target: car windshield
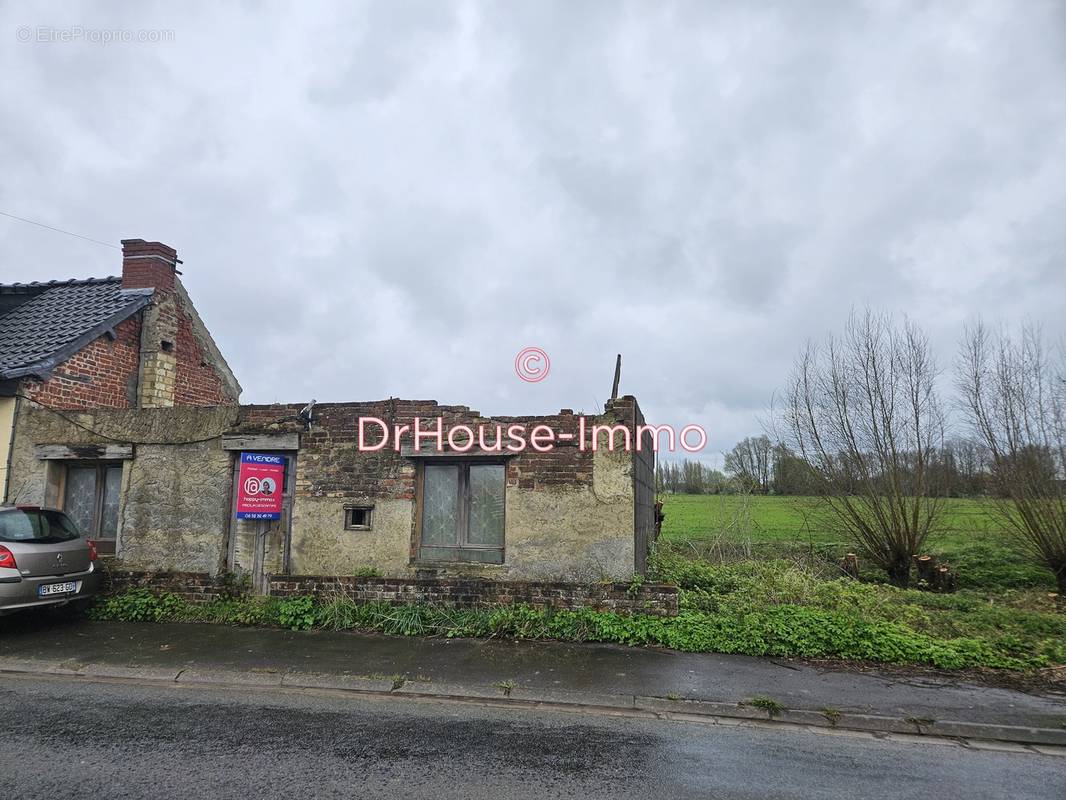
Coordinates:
[43,526]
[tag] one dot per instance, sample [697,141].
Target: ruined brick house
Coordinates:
[162,425]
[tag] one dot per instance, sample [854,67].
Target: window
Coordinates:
[36,525]
[357,518]
[91,500]
[462,513]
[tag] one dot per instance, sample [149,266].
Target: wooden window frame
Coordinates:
[368,508]
[463,522]
[101,466]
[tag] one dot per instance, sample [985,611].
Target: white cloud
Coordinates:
[408,193]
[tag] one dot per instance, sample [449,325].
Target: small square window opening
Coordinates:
[358,518]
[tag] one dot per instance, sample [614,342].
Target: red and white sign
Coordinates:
[260,485]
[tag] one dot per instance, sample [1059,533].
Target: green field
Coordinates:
[763,573]
[728,528]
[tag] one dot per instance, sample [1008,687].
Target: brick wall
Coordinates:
[332,466]
[196,382]
[177,367]
[103,373]
[649,598]
[197,587]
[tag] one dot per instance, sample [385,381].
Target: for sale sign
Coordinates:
[260,484]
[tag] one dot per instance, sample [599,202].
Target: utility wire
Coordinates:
[60,230]
[109,438]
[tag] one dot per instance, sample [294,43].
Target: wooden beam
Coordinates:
[281,441]
[86,452]
[617,376]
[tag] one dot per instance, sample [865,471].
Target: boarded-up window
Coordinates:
[463,513]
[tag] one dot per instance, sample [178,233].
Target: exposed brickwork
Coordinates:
[148,265]
[101,374]
[196,587]
[331,465]
[156,359]
[177,368]
[649,598]
[196,381]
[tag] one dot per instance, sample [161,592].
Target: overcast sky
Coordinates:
[393,199]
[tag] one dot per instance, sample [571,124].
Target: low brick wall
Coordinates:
[199,587]
[649,598]
[195,587]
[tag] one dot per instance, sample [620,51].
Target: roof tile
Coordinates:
[57,316]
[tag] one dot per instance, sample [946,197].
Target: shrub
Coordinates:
[140,605]
[297,613]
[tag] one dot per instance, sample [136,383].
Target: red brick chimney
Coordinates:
[148,264]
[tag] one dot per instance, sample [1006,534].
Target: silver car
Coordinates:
[44,561]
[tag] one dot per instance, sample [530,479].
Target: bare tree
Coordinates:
[967,464]
[1013,392]
[864,413]
[749,463]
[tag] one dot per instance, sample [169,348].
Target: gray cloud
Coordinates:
[394,198]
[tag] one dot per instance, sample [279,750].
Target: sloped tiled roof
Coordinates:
[61,318]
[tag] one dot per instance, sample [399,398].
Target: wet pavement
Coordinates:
[72,738]
[578,668]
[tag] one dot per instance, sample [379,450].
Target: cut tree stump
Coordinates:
[926,566]
[934,577]
[850,565]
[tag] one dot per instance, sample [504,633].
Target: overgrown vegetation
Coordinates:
[758,575]
[763,609]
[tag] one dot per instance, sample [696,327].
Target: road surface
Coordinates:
[77,738]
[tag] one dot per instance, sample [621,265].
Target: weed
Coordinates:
[767,704]
[635,584]
[831,714]
[673,696]
[234,585]
[506,687]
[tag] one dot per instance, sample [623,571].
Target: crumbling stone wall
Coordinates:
[175,493]
[569,512]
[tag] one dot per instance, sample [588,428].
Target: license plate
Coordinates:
[49,589]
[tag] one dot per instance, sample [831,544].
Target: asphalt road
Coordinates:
[74,738]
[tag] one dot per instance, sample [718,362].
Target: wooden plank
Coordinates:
[407,451]
[281,441]
[87,452]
